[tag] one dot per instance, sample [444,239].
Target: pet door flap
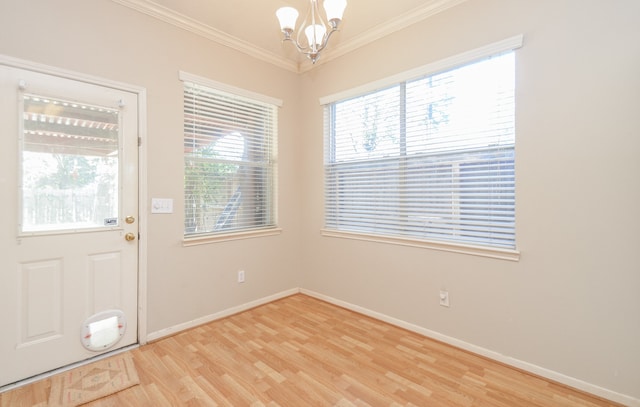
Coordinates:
[103,330]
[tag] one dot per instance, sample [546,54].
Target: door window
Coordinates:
[70,168]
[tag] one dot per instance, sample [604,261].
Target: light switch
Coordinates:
[161,205]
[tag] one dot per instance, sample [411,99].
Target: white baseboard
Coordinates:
[218,315]
[528,367]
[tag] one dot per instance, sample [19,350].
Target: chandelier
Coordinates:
[314,27]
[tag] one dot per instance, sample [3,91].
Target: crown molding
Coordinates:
[196,27]
[424,11]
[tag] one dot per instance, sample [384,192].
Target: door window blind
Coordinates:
[229,161]
[428,159]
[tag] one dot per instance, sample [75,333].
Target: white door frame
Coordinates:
[142,166]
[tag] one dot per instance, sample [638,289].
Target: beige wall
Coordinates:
[104,39]
[570,305]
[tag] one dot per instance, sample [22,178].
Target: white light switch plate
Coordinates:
[161,205]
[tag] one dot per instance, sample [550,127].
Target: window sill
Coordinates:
[225,237]
[495,253]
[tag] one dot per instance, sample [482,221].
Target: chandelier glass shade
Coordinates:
[314,32]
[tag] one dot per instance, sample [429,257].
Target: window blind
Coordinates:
[229,161]
[429,159]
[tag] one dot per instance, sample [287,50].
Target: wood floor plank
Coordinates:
[300,351]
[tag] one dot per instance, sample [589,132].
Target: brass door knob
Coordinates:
[129,237]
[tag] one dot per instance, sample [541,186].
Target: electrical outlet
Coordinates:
[444,298]
[241,276]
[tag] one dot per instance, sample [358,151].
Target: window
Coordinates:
[229,159]
[69,155]
[427,159]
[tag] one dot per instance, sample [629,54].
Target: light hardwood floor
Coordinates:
[299,351]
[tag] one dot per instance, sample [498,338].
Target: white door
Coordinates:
[68,204]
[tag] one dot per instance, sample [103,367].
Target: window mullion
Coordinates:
[402,164]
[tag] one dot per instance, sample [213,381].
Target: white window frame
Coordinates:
[272,228]
[499,47]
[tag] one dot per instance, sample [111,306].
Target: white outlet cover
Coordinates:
[444,298]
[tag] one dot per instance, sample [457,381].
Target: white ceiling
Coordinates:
[251,26]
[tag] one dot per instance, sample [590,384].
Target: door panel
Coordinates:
[40,301]
[69,178]
[104,280]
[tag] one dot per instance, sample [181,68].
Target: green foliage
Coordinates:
[370,124]
[72,172]
[206,184]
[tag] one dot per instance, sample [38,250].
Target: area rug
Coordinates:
[93,381]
